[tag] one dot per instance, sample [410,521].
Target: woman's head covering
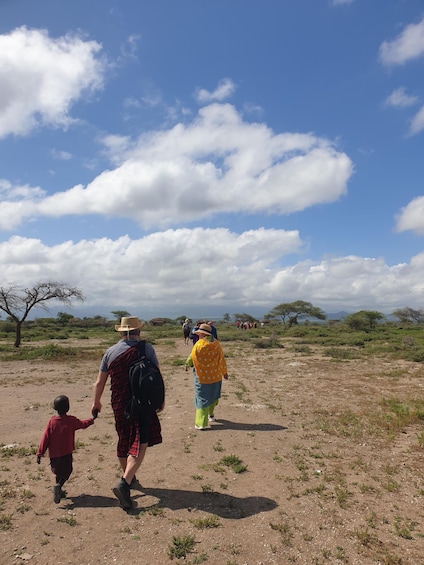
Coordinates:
[204,329]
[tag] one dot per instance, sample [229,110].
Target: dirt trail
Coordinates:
[319,486]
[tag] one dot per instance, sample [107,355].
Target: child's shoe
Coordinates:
[57,493]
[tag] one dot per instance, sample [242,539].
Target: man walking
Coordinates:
[134,436]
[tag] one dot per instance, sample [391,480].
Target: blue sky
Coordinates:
[199,157]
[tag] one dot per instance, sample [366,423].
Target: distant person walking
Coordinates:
[213,330]
[207,358]
[59,438]
[193,335]
[134,436]
[186,331]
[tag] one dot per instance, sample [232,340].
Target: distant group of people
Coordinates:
[247,325]
[189,333]
[134,435]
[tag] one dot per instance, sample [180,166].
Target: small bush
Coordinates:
[181,547]
[205,523]
[5,521]
[341,353]
[234,462]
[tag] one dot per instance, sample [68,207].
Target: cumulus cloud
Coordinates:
[232,271]
[218,163]
[408,45]
[411,217]
[225,88]
[16,202]
[156,267]
[42,77]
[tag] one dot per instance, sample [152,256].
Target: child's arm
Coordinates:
[87,423]
[44,443]
[189,362]
[78,424]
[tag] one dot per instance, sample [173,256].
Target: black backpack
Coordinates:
[147,389]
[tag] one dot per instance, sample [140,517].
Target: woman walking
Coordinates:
[210,367]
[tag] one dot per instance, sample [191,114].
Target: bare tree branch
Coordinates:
[17,302]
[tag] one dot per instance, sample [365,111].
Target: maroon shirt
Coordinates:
[59,435]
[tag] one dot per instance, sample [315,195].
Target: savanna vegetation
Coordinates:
[358,335]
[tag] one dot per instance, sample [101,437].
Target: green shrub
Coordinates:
[341,353]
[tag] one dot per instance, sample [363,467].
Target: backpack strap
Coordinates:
[141,348]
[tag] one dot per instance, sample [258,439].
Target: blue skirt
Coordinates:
[205,394]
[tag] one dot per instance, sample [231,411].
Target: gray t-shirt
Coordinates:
[113,352]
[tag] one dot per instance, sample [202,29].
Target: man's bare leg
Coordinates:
[132,464]
[123,463]
[122,489]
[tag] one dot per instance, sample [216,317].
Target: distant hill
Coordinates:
[337,315]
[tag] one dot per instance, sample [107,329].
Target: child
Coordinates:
[59,438]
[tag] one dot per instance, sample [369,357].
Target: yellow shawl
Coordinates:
[209,361]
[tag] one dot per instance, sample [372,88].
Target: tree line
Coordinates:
[17,302]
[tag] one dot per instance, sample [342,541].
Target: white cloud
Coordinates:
[130,48]
[216,164]
[225,88]
[16,192]
[232,272]
[42,77]
[115,146]
[411,217]
[417,122]
[16,202]
[409,44]
[157,267]
[61,155]
[399,98]
[340,2]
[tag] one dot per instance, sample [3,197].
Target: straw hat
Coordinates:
[129,323]
[204,329]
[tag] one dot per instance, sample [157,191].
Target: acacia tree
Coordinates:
[408,315]
[291,312]
[244,317]
[364,320]
[226,318]
[120,314]
[64,318]
[18,302]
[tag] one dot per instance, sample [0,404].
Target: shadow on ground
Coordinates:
[223,505]
[228,425]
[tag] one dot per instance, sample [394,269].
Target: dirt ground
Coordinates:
[324,479]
